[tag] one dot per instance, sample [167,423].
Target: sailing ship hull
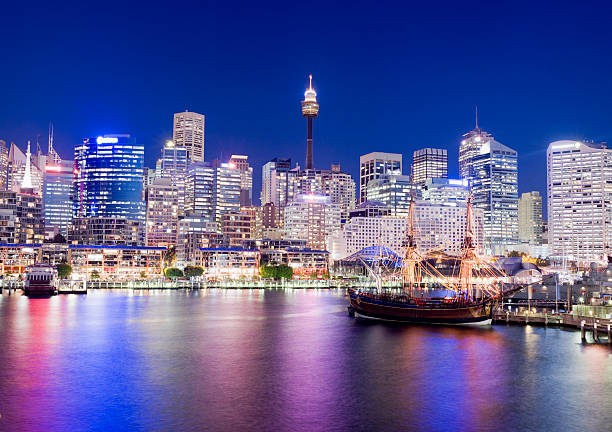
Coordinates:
[374,307]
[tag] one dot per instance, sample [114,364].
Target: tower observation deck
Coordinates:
[310,110]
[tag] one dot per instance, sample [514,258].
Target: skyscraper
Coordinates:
[108,178]
[429,163]
[312,218]
[173,165]
[276,179]
[376,164]
[579,197]
[57,193]
[310,110]
[392,190]
[161,197]
[188,132]
[492,171]
[530,218]
[3,166]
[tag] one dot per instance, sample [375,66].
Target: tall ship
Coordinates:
[40,280]
[435,288]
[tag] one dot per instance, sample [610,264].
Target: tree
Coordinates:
[313,275]
[63,270]
[284,271]
[268,272]
[59,238]
[325,275]
[193,271]
[169,255]
[94,275]
[173,272]
[143,274]
[515,254]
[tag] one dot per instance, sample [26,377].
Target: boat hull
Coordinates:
[375,308]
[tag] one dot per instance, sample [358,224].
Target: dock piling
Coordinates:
[582,331]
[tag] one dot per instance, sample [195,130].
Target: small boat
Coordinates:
[40,280]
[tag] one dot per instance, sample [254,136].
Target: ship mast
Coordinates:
[411,270]
[468,258]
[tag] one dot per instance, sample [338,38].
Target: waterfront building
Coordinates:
[246,178]
[57,197]
[445,191]
[21,217]
[491,169]
[161,197]
[374,165]
[306,262]
[3,166]
[364,231]
[392,190]
[530,218]
[429,163]
[579,195]
[311,217]
[106,230]
[188,132]
[108,178]
[195,232]
[116,263]
[310,110]
[16,257]
[229,263]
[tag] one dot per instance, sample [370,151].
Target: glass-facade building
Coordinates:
[394,191]
[57,193]
[374,165]
[429,163]
[108,178]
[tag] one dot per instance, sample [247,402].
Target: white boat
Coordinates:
[40,280]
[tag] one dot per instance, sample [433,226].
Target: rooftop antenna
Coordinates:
[476,116]
[38,149]
[51,151]
[26,182]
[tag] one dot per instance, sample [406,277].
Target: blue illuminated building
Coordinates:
[57,193]
[108,178]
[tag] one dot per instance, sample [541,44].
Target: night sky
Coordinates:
[390,77]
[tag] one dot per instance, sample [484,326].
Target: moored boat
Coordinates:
[40,280]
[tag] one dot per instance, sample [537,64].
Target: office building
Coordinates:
[392,190]
[370,209]
[579,196]
[106,230]
[108,178]
[445,191]
[188,132]
[57,198]
[21,217]
[173,165]
[239,227]
[530,218]
[276,176]
[241,162]
[313,218]
[161,198]
[3,166]
[429,163]
[374,165]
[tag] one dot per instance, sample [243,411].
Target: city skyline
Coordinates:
[525,109]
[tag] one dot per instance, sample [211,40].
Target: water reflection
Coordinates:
[282,360]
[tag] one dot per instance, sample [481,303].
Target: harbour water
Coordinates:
[283,360]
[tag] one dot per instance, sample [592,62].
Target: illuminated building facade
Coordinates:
[429,163]
[108,178]
[229,263]
[530,218]
[241,162]
[445,191]
[117,263]
[579,192]
[374,165]
[276,186]
[240,226]
[173,165]
[310,110]
[3,166]
[494,186]
[193,233]
[162,213]
[392,190]
[16,169]
[57,198]
[101,230]
[21,217]
[313,218]
[188,132]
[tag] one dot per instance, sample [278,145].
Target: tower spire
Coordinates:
[476,116]
[310,110]
[310,86]
[26,183]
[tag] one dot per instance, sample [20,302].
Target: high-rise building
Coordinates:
[173,165]
[313,218]
[106,231]
[374,165]
[238,227]
[491,169]
[57,197]
[246,179]
[195,232]
[21,219]
[429,163]
[310,110]
[275,182]
[188,132]
[579,196]
[108,178]
[212,189]
[16,170]
[392,190]
[161,197]
[3,166]
[530,218]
